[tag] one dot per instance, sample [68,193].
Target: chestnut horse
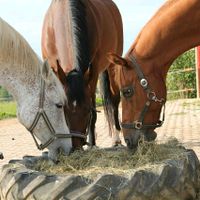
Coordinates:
[141,74]
[76,37]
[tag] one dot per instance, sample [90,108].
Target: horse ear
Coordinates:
[116,59]
[45,70]
[61,74]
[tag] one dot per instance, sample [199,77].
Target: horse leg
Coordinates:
[91,131]
[116,141]
[111,98]
[1,156]
[114,101]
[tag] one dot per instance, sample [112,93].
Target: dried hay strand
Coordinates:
[116,160]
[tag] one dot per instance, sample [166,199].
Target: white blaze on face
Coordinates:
[74,104]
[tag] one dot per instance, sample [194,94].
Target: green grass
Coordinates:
[99,102]
[7,110]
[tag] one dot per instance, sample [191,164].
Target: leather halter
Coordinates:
[42,114]
[151,96]
[79,134]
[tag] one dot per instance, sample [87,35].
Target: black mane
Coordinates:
[75,79]
[80,35]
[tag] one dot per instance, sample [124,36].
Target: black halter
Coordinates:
[41,113]
[128,92]
[82,135]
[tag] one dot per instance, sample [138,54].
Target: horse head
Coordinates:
[42,113]
[143,94]
[78,110]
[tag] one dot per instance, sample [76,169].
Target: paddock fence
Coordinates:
[181,84]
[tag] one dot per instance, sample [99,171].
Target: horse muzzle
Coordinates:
[61,146]
[132,137]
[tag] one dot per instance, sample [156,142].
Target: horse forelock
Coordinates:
[79,35]
[14,49]
[75,87]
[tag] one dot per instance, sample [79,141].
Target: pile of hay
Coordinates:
[116,160]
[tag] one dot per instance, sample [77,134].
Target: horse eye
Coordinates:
[127,92]
[59,105]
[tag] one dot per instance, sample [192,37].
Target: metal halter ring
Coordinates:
[138,125]
[143,83]
[151,96]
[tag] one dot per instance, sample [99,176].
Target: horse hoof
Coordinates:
[1,156]
[91,147]
[117,144]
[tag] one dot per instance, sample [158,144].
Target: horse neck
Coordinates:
[22,84]
[173,30]
[19,65]
[72,40]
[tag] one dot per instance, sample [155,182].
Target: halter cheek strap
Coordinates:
[151,97]
[42,114]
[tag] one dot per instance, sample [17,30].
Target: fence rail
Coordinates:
[189,69]
[183,91]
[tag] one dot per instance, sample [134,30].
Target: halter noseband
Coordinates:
[41,113]
[79,134]
[128,92]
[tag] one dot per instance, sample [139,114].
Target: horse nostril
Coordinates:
[128,142]
[57,162]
